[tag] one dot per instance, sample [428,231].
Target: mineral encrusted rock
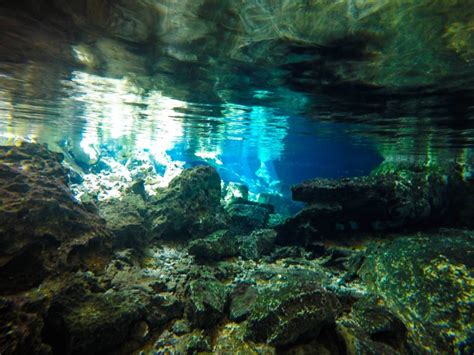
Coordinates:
[189,206]
[286,312]
[427,282]
[369,203]
[42,228]
[207,299]
[246,216]
[127,218]
[242,298]
[223,244]
[219,245]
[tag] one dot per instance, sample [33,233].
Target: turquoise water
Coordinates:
[236,177]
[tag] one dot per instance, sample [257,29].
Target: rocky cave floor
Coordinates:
[357,271]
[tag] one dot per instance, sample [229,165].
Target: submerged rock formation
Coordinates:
[380,202]
[189,206]
[428,282]
[42,228]
[283,313]
[223,244]
[73,283]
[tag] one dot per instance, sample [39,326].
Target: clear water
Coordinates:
[279,115]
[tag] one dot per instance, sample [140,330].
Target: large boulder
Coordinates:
[189,206]
[242,298]
[368,203]
[43,229]
[127,219]
[246,216]
[258,243]
[219,245]
[427,281]
[207,299]
[223,244]
[289,311]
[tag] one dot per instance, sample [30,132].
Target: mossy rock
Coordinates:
[286,312]
[428,282]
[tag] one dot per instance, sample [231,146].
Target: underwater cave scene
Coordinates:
[236,177]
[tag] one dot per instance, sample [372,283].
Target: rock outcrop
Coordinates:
[190,206]
[246,216]
[223,244]
[427,281]
[43,230]
[287,312]
[371,203]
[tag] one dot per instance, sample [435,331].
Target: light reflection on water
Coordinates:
[254,143]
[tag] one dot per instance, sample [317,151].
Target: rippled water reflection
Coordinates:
[85,113]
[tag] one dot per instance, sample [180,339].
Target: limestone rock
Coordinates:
[223,244]
[42,228]
[218,245]
[285,312]
[190,206]
[20,331]
[206,302]
[427,282]
[127,218]
[257,244]
[190,343]
[369,203]
[246,216]
[242,298]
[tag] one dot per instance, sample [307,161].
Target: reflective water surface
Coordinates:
[267,106]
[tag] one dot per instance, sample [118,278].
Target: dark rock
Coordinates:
[138,187]
[190,343]
[20,330]
[427,282]
[223,244]
[286,312]
[218,245]
[181,326]
[190,206]
[246,216]
[42,228]
[242,298]
[258,243]
[370,203]
[286,252]
[206,302]
[86,318]
[126,217]
[162,308]
[93,322]
[275,220]
[376,320]
[357,342]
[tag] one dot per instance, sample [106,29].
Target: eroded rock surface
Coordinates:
[427,281]
[283,313]
[189,206]
[42,228]
[372,203]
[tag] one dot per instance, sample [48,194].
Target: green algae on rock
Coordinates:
[284,313]
[189,206]
[207,299]
[42,228]
[427,281]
